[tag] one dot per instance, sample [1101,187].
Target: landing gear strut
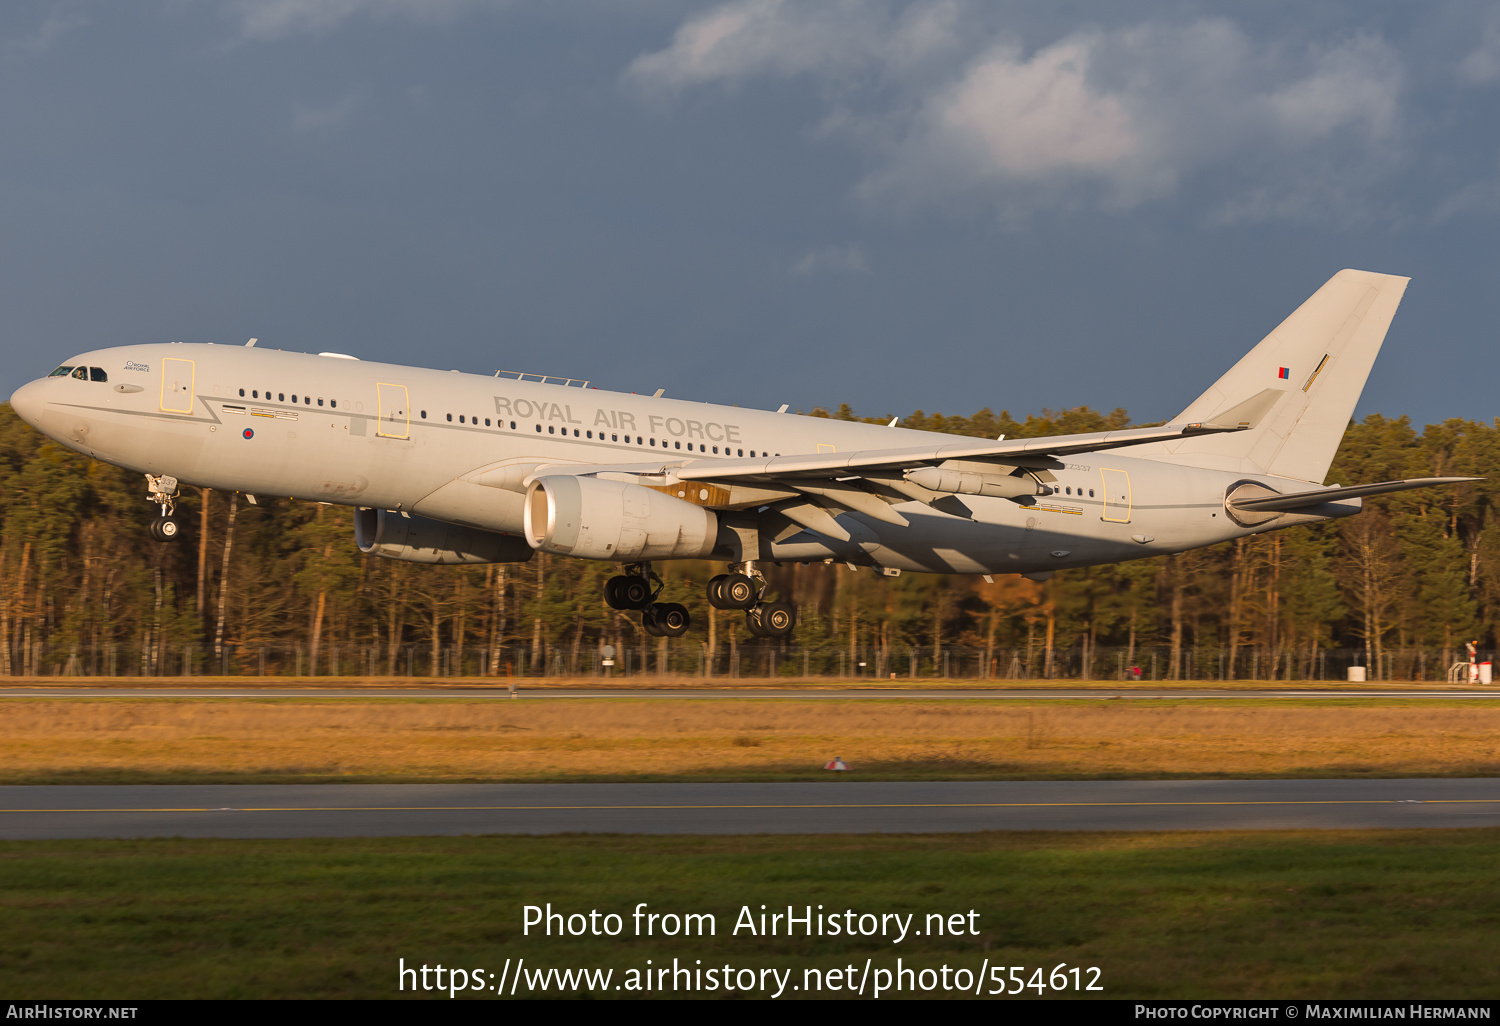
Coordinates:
[162,489]
[638,588]
[744,588]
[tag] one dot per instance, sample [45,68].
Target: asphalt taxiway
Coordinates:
[839,806]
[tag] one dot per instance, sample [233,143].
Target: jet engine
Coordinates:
[422,540]
[596,519]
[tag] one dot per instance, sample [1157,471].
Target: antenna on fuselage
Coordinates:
[251,343]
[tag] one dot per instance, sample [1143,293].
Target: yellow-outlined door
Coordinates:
[1116,496]
[177,385]
[395,413]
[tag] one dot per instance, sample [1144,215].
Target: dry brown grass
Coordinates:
[557,739]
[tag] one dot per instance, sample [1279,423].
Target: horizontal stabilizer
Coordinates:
[1300,500]
[1247,414]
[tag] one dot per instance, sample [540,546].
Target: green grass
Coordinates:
[1331,915]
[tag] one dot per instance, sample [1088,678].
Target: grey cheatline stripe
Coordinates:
[841,805]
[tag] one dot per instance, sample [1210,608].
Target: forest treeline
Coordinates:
[86,590]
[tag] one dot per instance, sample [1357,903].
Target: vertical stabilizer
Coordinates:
[1317,360]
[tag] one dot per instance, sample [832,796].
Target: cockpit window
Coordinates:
[97,374]
[61,372]
[81,373]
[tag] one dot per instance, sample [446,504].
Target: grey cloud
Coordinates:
[1111,118]
[314,118]
[273,19]
[838,259]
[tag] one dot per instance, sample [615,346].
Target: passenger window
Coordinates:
[242,393]
[752,453]
[614,438]
[97,374]
[253,394]
[716,450]
[588,434]
[281,397]
[61,372]
[424,414]
[742,452]
[320,400]
[1091,493]
[512,425]
[333,403]
[551,429]
[81,373]
[486,422]
[677,445]
[538,429]
[639,440]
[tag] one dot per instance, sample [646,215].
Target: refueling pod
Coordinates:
[415,539]
[597,519]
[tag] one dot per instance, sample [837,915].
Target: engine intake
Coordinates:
[596,519]
[416,539]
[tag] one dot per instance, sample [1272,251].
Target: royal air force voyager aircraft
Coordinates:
[444,467]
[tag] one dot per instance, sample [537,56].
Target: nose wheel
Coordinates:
[165,528]
[162,490]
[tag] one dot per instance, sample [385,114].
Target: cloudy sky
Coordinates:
[940,204]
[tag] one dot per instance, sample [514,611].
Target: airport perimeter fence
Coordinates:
[687,658]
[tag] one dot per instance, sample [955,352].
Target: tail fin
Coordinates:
[1297,388]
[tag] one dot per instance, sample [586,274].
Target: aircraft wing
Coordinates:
[810,489]
[852,463]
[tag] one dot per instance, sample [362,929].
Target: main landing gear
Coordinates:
[743,588]
[162,489]
[638,588]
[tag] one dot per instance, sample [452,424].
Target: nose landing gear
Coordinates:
[744,588]
[162,489]
[638,588]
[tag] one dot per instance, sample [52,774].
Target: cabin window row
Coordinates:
[306,400]
[614,437]
[473,420]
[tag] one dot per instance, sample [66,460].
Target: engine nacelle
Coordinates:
[422,540]
[595,519]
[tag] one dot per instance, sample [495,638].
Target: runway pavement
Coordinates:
[501,693]
[839,806]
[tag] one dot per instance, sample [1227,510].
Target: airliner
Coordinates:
[456,468]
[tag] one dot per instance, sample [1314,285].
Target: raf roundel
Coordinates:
[249,432]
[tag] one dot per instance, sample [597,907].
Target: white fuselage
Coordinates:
[431,442]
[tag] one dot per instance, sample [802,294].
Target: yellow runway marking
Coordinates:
[892,805]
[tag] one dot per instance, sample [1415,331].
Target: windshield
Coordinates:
[61,372]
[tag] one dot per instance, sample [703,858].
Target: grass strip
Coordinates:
[1398,914]
[289,740]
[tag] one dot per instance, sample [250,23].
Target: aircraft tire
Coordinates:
[752,623]
[649,624]
[776,619]
[671,619]
[612,593]
[716,599]
[168,528]
[737,592]
[628,592]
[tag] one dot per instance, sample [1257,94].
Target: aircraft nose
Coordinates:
[28,401]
